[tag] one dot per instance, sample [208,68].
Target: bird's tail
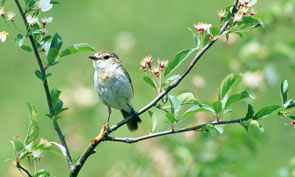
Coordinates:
[132,124]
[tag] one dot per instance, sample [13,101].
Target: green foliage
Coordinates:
[178,59]
[57,103]
[284,91]
[239,96]
[217,106]
[212,129]
[169,80]
[149,81]
[226,84]
[33,131]
[175,105]
[170,116]
[76,48]
[154,120]
[20,39]
[196,38]
[206,39]
[250,114]
[198,108]
[55,46]
[267,111]
[187,98]
[42,173]
[215,31]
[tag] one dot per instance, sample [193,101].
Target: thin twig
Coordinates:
[90,148]
[46,88]
[23,169]
[169,132]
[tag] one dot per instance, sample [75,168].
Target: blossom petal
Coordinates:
[46,8]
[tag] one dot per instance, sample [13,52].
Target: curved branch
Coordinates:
[90,148]
[46,88]
[23,169]
[168,132]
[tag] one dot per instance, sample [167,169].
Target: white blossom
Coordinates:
[44,5]
[11,16]
[46,20]
[200,27]
[32,19]
[238,17]
[3,36]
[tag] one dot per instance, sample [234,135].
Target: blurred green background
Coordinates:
[134,29]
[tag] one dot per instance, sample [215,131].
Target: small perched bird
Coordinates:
[113,86]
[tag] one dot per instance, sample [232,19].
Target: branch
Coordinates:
[90,148]
[23,169]
[168,132]
[45,85]
[182,76]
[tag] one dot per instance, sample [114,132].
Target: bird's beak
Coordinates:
[92,57]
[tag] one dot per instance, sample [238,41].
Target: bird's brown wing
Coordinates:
[128,76]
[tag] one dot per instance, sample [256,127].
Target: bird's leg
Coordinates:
[132,110]
[109,116]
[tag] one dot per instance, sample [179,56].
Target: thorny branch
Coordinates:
[91,147]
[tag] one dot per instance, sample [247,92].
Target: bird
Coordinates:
[114,87]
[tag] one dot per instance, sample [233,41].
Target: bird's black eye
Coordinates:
[106,57]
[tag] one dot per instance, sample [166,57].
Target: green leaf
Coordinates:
[284,90]
[217,106]
[169,80]
[52,147]
[46,38]
[2,2]
[39,74]
[206,39]
[55,46]
[76,48]
[250,113]
[154,120]
[187,98]
[215,31]
[248,21]
[226,84]
[267,111]
[237,97]
[177,60]
[149,81]
[17,145]
[289,104]
[175,105]
[42,173]
[54,2]
[170,116]
[198,108]
[26,48]
[36,31]
[227,36]
[55,94]
[219,128]
[33,130]
[196,38]
[20,39]
[212,129]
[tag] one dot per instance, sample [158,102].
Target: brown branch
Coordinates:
[169,132]
[45,85]
[90,148]
[23,169]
